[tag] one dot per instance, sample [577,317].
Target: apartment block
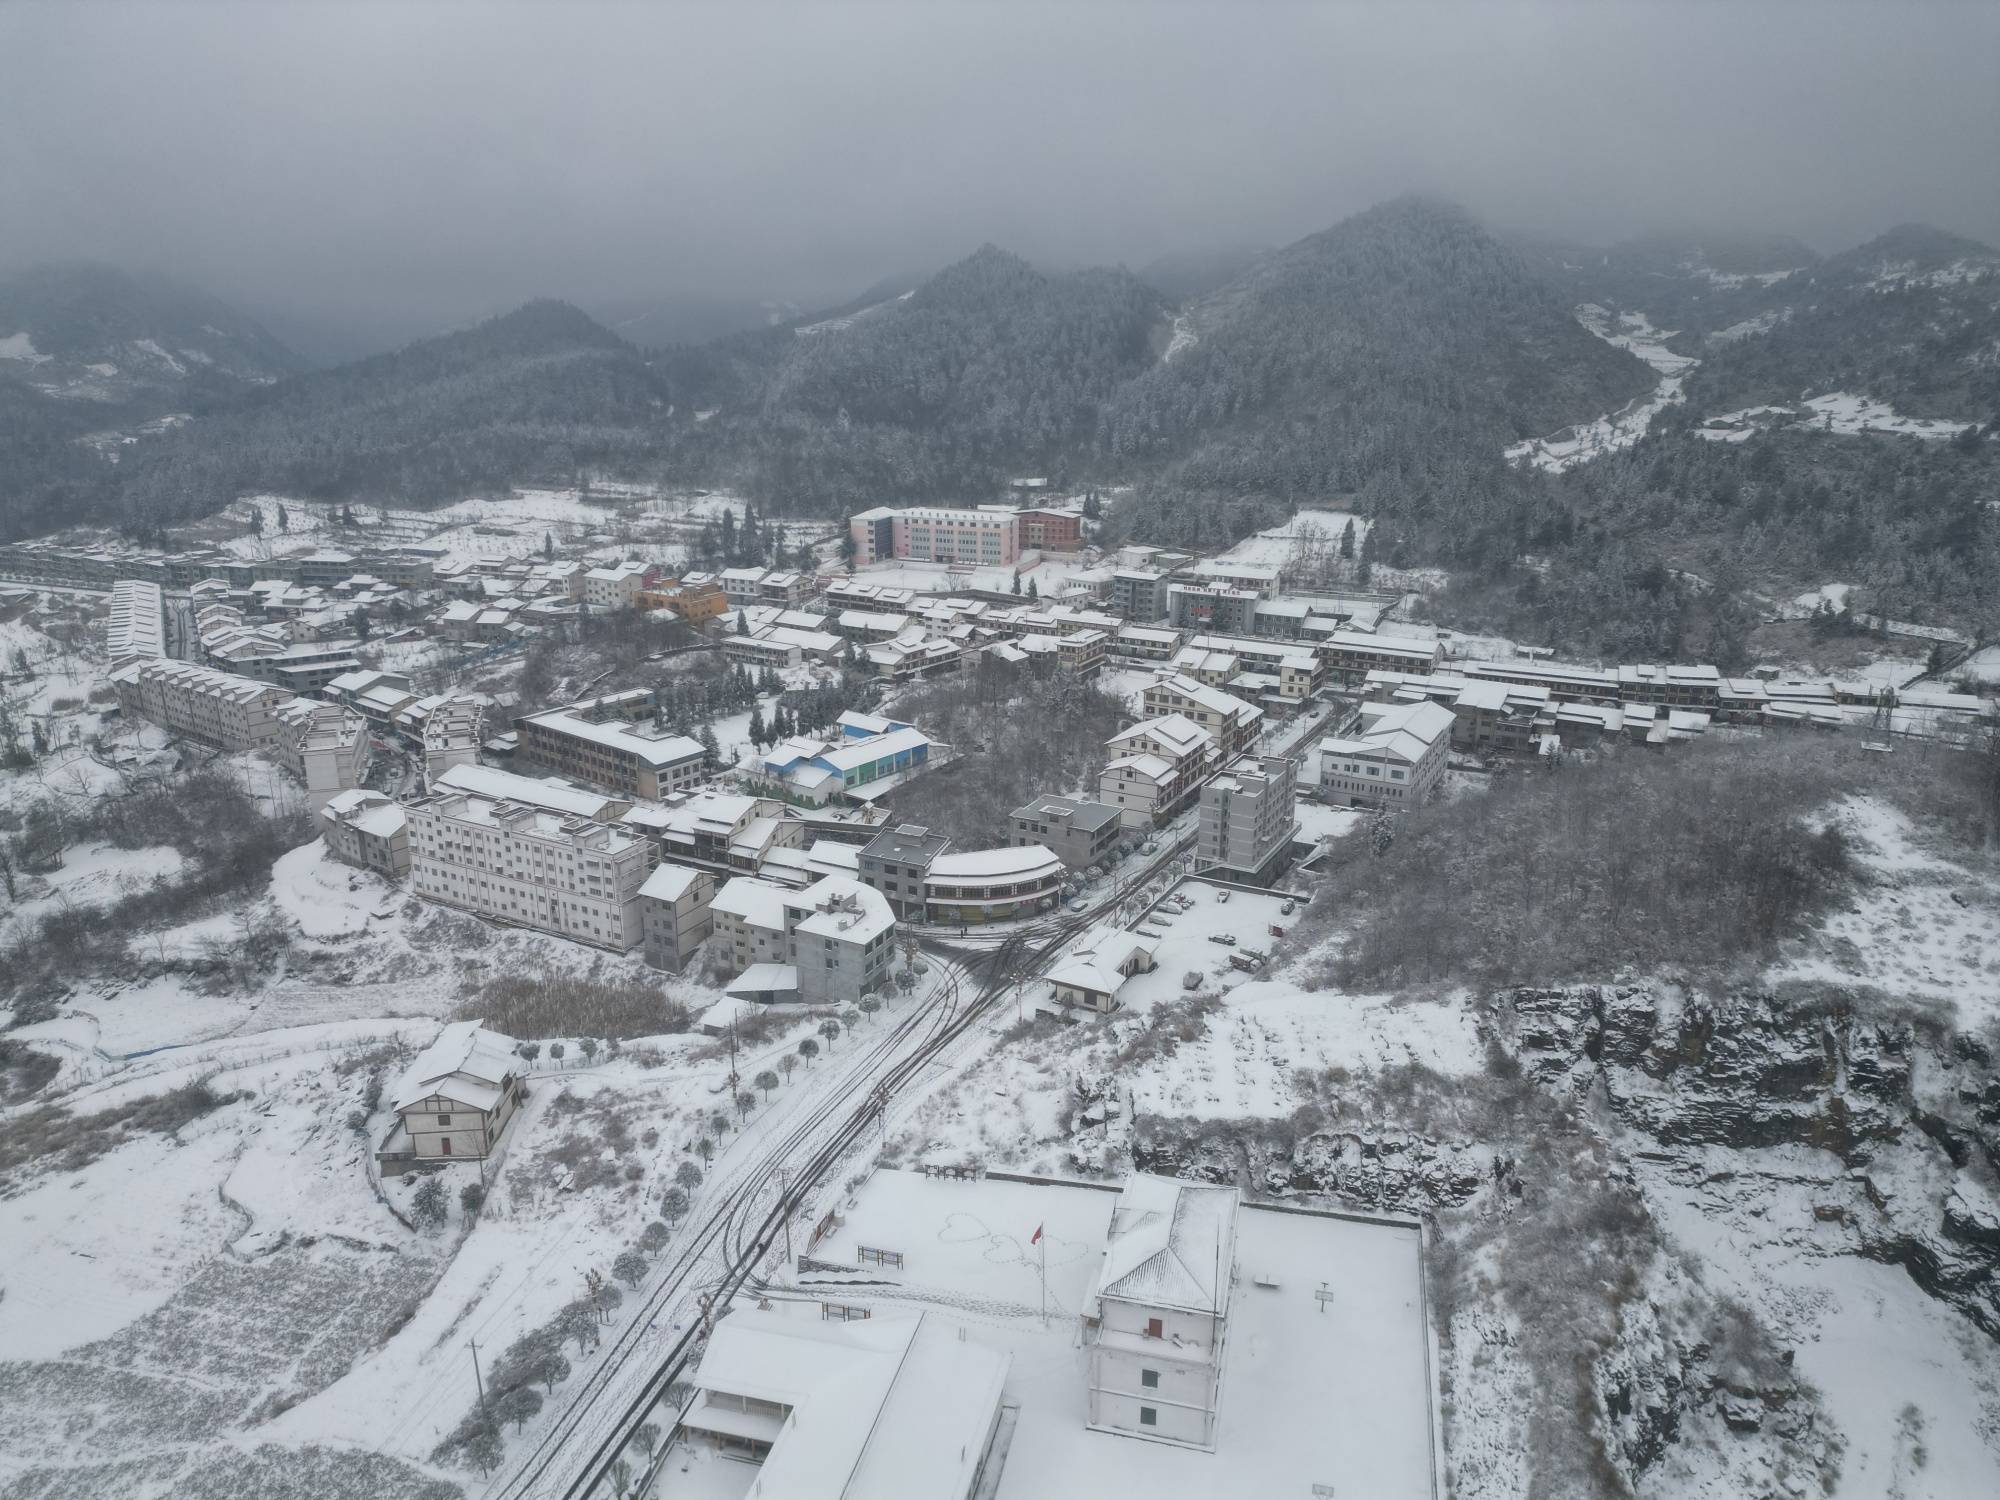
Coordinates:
[1249,820]
[1078,832]
[982,536]
[895,862]
[367,830]
[1231,721]
[828,944]
[216,708]
[674,914]
[530,867]
[606,748]
[1394,760]
[1156,767]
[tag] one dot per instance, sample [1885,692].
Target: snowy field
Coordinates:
[1335,1396]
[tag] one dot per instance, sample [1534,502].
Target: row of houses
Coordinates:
[323,745]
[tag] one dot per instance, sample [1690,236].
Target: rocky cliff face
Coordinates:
[1911,1108]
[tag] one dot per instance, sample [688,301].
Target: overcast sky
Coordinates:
[402,167]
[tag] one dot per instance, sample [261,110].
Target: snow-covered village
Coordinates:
[875,751]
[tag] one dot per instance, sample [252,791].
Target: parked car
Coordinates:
[1192,980]
[1288,908]
[1247,962]
[1227,939]
[1078,905]
[1222,898]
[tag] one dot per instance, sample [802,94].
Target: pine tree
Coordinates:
[1034,589]
[711,749]
[548,544]
[759,734]
[1017,584]
[284,521]
[256,520]
[1347,542]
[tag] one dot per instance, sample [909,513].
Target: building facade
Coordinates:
[529,867]
[636,759]
[992,885]
[1079,833]
[1156,1322]
[895,862]
[1249,820]
[1396,759]
[674,914]
[365,829]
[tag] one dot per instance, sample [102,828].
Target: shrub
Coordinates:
[550,1002]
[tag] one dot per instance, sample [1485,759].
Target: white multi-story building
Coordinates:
[324,745]
[1156,1323]
[828,944]
[615,586]
[216,708]
[1232,721]
[525,865]
[452,732]
[985,536]
[136,629]
[1156,767]
[1394,761]
[367,830]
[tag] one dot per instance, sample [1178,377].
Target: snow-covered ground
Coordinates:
[1924,926]
[1982,667]
[1877,1347]
[1335,1395]
[1051,576]
[1312,536]
[1837,411]
[1631,331]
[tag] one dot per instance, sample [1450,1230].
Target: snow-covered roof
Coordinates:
[1103,961]
[1171,1244]
[1016,862]
[467,1064]
[761,903]
[844,909]
[1175,735]
[887,1408]
[670,882]
[654,750]
[764,979]
[530,791]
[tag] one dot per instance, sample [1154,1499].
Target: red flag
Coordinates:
[1035,1238]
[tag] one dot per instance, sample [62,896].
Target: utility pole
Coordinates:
[478,1380]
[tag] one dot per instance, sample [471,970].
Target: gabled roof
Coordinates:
[1172,1244]
[467,1064]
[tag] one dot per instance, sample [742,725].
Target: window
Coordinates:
[1150,1379]
[444,1120]
[1149,1416]
[1155,1328]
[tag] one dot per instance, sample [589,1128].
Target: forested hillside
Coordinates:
[1911,318]
[989,368]
[1373,359]
[535,394]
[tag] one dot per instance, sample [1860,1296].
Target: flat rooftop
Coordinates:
[1337,1396]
